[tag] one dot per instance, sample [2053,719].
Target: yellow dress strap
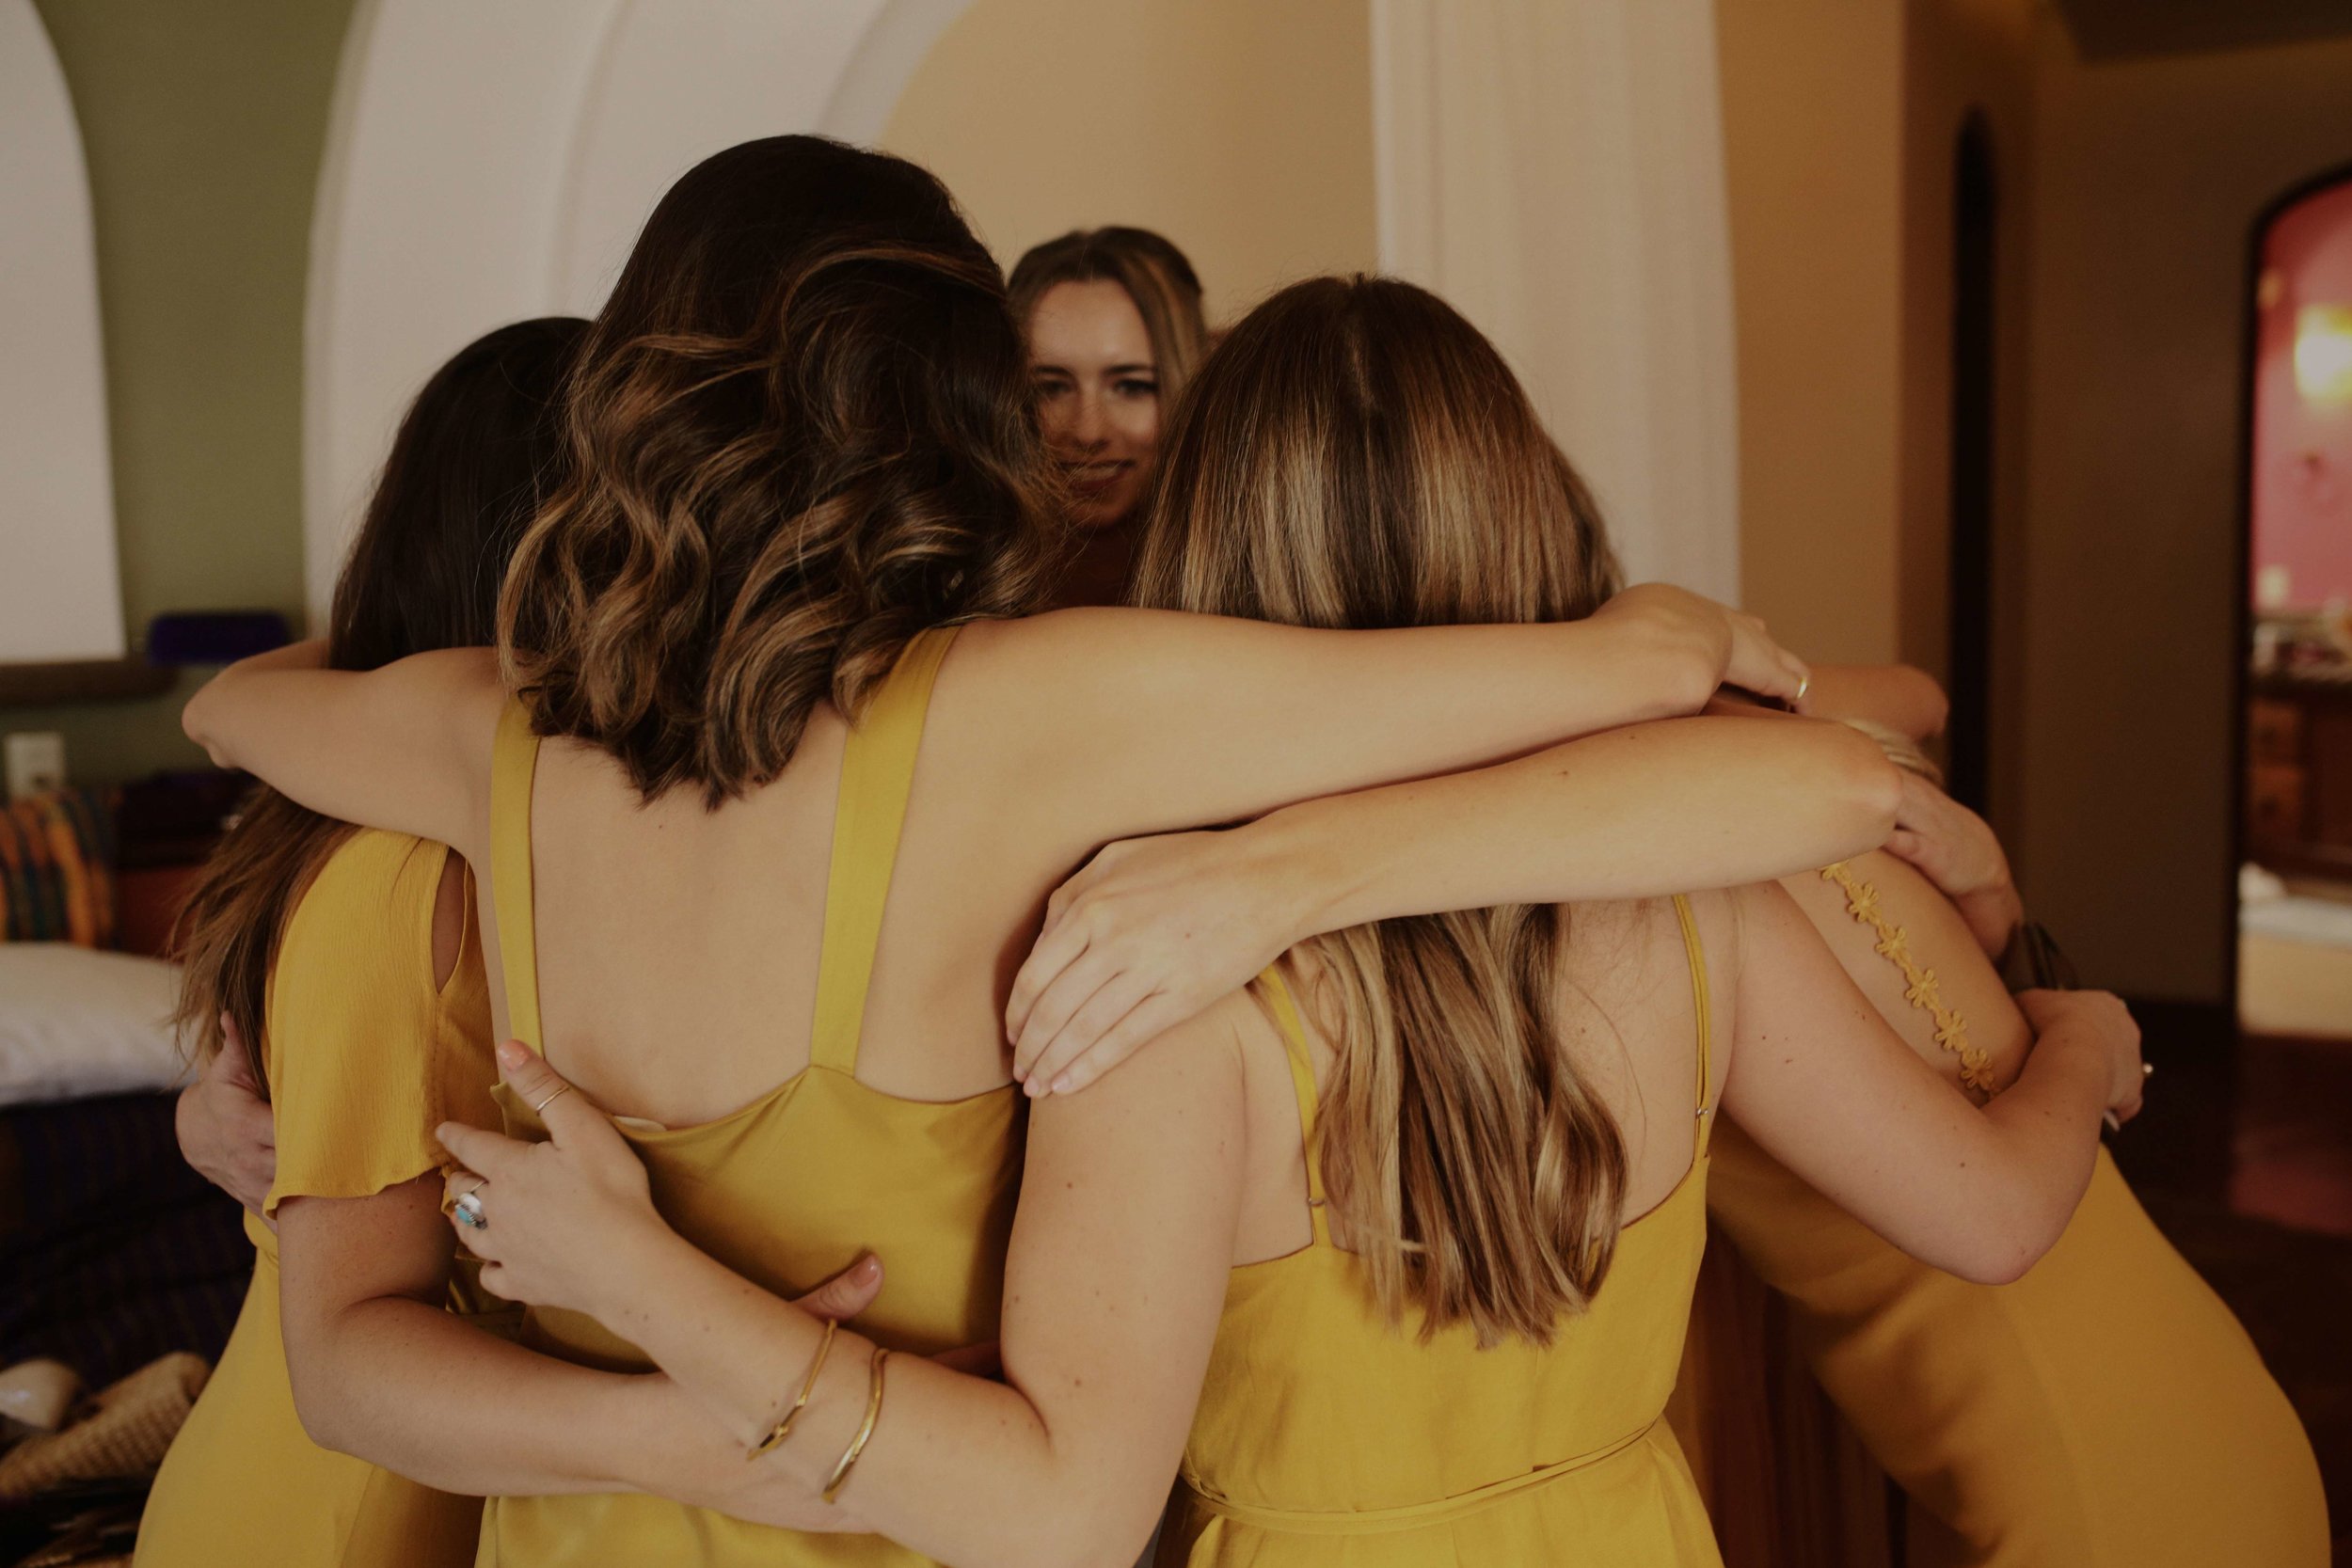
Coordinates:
[513,760]
[1702,1002]
[877,771]
[1278,995]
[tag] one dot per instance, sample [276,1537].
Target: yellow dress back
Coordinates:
[795,1186]
[1326,1436]
[365,1056]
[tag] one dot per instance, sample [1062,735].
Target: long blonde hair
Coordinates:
[1355,455]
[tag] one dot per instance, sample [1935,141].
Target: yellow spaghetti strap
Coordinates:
[513,759]
[1303,1083]
[877,771]
[1701,1002]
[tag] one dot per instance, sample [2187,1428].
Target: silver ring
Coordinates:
[469,1210]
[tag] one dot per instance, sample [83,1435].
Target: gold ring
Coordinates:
[550,1100]
[1804,684]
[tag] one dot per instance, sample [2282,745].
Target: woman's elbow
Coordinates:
[315,1407]
[199,721]
[2010,1240]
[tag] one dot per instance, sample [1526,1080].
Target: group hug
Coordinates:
[915,916]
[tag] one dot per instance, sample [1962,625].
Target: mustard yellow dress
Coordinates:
[793,1187]
[2105,1411]
[365,1056]
[1325,1436]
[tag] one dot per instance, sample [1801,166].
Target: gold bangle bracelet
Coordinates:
[783,1428]
[857,1445]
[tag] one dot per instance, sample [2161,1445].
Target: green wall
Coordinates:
[203,126]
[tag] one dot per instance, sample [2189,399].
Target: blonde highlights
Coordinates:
[1355,455]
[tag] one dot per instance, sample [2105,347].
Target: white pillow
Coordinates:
[76,1021]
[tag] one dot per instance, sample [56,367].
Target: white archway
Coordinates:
[60,582]
[489,163]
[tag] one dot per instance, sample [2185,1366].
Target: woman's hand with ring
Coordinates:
[567,1223]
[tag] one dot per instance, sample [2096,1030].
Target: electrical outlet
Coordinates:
[36,763]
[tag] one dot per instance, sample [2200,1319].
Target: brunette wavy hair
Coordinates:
[1355,455]
[469,466]
[799,434]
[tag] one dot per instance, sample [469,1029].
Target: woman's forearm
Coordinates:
[959,1468]
[426,1395]
[1660,808]
[2045,1124]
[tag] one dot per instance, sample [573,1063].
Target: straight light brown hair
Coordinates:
[1155,274]
[798,435]
[473,457]
[1355,455]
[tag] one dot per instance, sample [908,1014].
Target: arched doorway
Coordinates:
[2294,908]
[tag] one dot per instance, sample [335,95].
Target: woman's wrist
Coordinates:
[649,1267]
[1304,871]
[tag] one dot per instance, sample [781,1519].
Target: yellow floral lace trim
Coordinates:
[1920,990]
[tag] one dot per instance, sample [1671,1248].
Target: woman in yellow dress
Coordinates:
[2106,1410]
[360,946]
[781,516]
[1423,1207]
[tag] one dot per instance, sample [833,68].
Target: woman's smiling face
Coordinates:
[1098,392]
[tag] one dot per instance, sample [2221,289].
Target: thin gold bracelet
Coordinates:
[857,1445]
[783,1428]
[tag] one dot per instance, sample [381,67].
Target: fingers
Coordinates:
[847,1293]
[1153,1017]
[1071,992]
[234,1065]
[486,1153]
[1044,974]
[566,1114]
[1118,997]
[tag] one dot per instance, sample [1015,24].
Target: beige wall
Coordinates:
[1813,147]
[2150,174]
[1241,130]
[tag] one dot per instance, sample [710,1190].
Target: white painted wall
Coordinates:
[487,163]
[1556,171]
[60,589]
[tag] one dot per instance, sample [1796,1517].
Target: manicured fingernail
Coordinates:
[512,1053]
[1062,1085]
[1032,1088]
[868,1267]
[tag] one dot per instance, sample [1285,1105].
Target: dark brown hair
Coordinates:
[1355,455]
[799,434]
[1155,274]
[467,469]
